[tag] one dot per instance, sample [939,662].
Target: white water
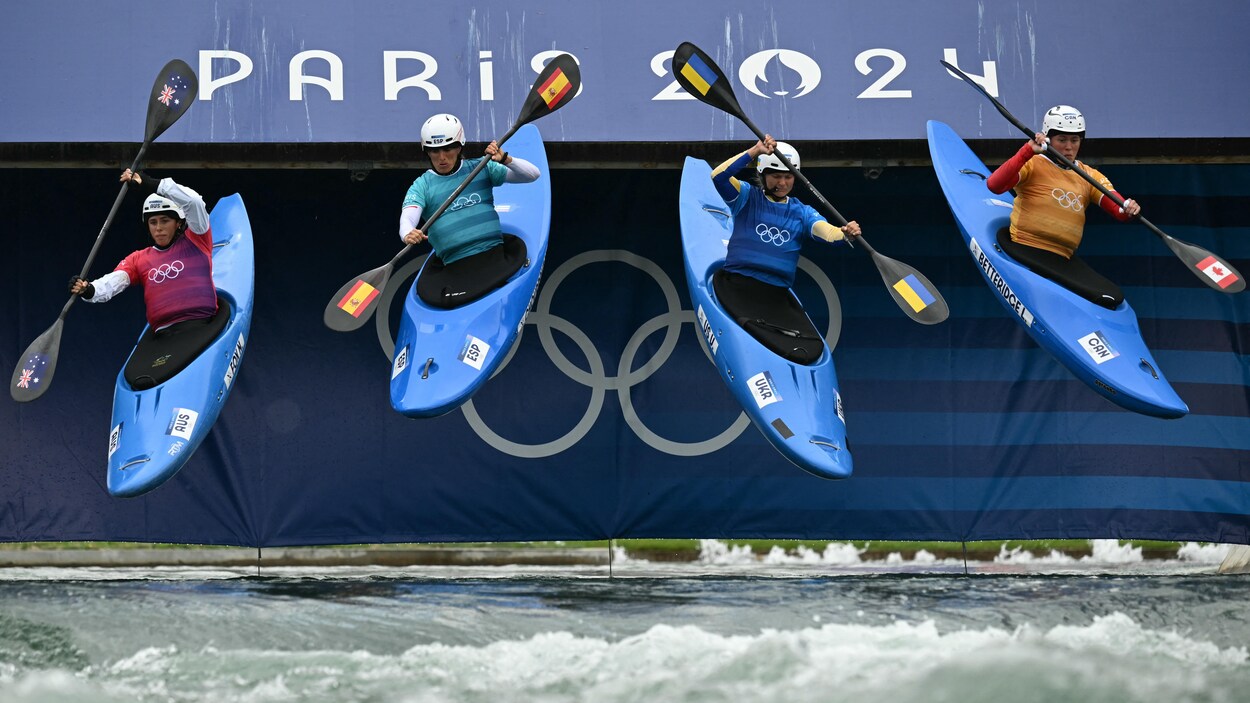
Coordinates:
[798,626]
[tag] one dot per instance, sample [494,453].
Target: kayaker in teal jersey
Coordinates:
[470,225]
[763,252]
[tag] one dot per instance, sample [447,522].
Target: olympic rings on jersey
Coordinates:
[1068,199]
[597,378]
[166,271]
[465,201]
[772,235]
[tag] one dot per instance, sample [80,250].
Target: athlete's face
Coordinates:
[162,228]
[779,185]
[444,158]
[1066,144]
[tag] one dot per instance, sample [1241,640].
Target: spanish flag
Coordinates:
[554,90]
[358,298]
[699,74]
[916,295]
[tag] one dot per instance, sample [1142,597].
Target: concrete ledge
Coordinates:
[302,556]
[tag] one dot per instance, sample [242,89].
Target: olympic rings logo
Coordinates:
[463,202]
[772,235]
[166,271]
[1068,199]
[597,378]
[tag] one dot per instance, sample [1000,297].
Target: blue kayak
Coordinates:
[796,406]
[1102,347]
[155,430]
[442,356]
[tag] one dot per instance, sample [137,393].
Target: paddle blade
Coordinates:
[173,92]
[33,374]
[915,295]
[1209,268]
[354,303]
[699,75]
[556,86]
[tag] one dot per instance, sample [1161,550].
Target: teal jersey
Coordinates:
[470,224]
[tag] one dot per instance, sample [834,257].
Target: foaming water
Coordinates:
[798,626]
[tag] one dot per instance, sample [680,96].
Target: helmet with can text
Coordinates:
[769,162]
[158,205]
[1063,118]
[440,131]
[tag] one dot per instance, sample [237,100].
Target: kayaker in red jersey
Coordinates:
[176,271]
[1048,219]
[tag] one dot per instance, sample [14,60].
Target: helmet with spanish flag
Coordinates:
[441,130]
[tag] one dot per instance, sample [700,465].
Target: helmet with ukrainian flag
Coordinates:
[1063,118]
[440,131]
[769,162]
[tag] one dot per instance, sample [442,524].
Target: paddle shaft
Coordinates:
[108,221]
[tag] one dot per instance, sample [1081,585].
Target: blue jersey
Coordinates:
[768,235]
[469,225]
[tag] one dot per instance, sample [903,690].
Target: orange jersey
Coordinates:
[1050,205]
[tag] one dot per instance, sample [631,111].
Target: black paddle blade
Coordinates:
[1209,268]
[173,92]
[354,303]
[555,87]
[33,374]
[912,292]
[699,75]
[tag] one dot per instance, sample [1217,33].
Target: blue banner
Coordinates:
[609,420]
[325,71]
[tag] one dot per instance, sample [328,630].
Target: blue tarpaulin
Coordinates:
[609,422]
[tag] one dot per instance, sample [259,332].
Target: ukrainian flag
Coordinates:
[699,74]
[916,295]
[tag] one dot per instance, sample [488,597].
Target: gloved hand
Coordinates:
[79,286]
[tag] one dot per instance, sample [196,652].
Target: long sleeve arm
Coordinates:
[521,171]
[1008,175]
[722,176]
[409,219]
[109,285]
[190,202]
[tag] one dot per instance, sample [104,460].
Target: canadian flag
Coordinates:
[1217,272]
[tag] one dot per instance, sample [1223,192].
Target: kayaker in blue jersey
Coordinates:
[470,225]
[770,227]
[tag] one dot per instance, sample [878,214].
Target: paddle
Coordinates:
[356,301]
[1209,268]
[172,94]
[699,75]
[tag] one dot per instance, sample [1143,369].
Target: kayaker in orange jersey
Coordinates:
[1048,220]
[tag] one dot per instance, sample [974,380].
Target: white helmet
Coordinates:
[441,130]
[769,161]
[1063,118]
[156,205]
